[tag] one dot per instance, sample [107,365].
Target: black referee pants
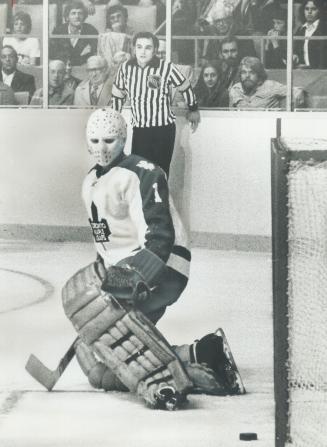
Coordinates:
[156,144]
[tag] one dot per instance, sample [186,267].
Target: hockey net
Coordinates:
[305,163]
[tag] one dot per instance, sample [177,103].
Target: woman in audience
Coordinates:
[276,49]
[209,90]
[310,53]
[27,48]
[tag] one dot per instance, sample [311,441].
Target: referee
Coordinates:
[146,80]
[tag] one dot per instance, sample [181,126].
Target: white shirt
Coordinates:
[73,40]
[309,30]
[7,79]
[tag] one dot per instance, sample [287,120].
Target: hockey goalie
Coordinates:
[142,266]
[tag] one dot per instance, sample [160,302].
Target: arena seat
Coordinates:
[98,19]
[3,18]
[142,18]
[36,13]
[22,98]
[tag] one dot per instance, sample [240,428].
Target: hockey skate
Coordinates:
[213,350]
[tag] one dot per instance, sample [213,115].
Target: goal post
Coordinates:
[299,264]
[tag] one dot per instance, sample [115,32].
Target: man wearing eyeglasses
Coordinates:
[96,90]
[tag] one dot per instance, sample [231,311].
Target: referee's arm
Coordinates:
[118,94]
[184,86]
[118,97]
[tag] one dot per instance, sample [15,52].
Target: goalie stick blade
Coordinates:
[230,357]
[40,372]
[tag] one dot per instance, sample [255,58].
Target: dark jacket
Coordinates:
[79,53]
[22,82]
[317,48]
[7,96]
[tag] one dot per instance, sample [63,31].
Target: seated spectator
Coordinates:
[27,48]
[96,90]
[255,15]
[58,93]
[7,96]
[70,80]
[9,75]
[209,90]
[220,22]
[78,48]
[276,49]
[311,53]
[117,20]
[255,91]
[230,59]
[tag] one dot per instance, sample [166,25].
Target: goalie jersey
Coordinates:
[129,209]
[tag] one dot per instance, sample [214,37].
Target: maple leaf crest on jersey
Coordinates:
[146,165]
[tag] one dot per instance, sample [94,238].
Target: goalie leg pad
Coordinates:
[126,342]
[98,374]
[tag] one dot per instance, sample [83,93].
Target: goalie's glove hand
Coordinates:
[125,284]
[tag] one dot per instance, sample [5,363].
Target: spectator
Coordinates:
[59,94]
[78,48]
[229,56]
[255,91]
[152,117]
[70,80]
[255,15]
[7,96]
[9,75]
[220,22]
[96,90]
[117,20]
[27,48]
[276,49]
[311,53]
[209,90]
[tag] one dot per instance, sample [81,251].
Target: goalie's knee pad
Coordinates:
[82,287]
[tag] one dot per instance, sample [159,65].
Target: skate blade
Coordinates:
[229,355]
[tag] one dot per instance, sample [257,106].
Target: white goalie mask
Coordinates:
[106,133]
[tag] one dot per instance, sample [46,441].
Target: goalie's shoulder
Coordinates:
[143,168]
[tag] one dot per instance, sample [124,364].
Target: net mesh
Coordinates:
[307,308]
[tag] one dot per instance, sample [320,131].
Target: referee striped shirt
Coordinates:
[148,89]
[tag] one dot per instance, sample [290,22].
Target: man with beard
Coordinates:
[220,22]
[255,91]
[229,55]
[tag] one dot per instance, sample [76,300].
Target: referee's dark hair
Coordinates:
[146,35]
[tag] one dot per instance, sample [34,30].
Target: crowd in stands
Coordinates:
[217,42]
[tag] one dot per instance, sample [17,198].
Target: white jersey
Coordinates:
[129,209]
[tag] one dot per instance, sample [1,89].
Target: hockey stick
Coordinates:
[44,375]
